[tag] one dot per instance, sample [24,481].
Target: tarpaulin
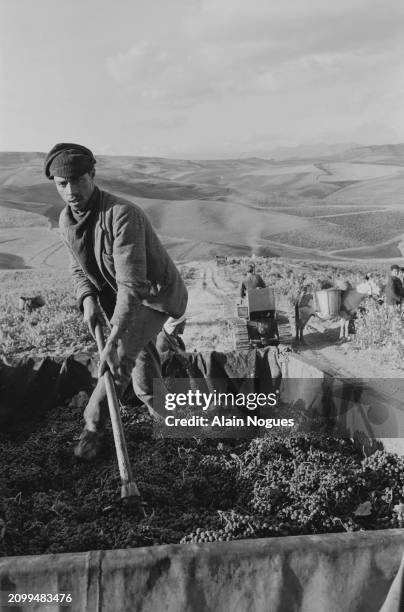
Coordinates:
[256,370]
[31,387]
[356,572]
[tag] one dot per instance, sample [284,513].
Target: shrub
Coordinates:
[381,327]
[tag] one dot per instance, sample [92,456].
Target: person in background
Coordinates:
[250,281]
[171,348]
[119,268]
[401,276]
[169,339]
[394,288]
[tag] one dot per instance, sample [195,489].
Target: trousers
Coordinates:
[139,361]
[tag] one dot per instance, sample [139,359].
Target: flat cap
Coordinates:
[68,160]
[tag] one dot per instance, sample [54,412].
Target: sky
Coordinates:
[200,78]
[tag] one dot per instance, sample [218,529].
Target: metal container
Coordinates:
[261,299]
[329,302]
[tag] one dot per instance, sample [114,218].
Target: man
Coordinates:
[169,339]
[250,281]
[171,349]
[119,267]
[401,276]
[394,289]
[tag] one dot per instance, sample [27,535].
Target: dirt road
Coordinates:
[212,296]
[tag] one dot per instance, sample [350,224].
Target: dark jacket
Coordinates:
[394,291]
[131,259]
[250,281]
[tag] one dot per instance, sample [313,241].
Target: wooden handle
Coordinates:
[129,487]
[99,337]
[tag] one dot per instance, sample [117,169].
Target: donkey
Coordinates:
[351,298]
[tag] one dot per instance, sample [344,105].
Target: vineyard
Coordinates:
[57,328]
[381,329]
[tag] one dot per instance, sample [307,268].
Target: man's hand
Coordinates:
[109,360]
[92,313]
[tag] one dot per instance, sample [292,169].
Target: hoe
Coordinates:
[128,486]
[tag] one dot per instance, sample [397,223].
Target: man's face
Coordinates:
[394,272]
[75,192]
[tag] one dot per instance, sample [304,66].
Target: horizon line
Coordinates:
[271,155]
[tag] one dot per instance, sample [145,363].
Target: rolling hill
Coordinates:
[345,205]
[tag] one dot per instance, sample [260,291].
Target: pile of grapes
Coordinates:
[194,491]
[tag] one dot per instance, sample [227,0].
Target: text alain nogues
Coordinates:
[222,421]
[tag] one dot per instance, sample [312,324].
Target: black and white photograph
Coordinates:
[202,306]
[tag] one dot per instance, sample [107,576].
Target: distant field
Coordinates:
[379,192]
[10,217]
[11,262]
[371,227]
[167,190]
[321,236]
[354,171]
[201,208]
[386,251]
[349,230]
[31,245]
[318,210]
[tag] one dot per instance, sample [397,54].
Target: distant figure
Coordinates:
[394,287]
[170,345]
[250,281]
[169,340]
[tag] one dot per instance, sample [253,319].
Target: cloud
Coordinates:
[256,47]
[343,23]
[158,74]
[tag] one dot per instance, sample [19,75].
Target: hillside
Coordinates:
[344,205]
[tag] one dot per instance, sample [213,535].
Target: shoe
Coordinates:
[89,445]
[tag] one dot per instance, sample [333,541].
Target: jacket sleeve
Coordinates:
[83,287]
[129,255]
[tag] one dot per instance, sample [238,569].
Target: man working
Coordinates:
[401,277]
[250,281]
[394,288]
[169,339]
[170,344]
[119,267]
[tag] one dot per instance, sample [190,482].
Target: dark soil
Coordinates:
[195,490]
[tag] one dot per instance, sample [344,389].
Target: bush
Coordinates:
[381,327]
